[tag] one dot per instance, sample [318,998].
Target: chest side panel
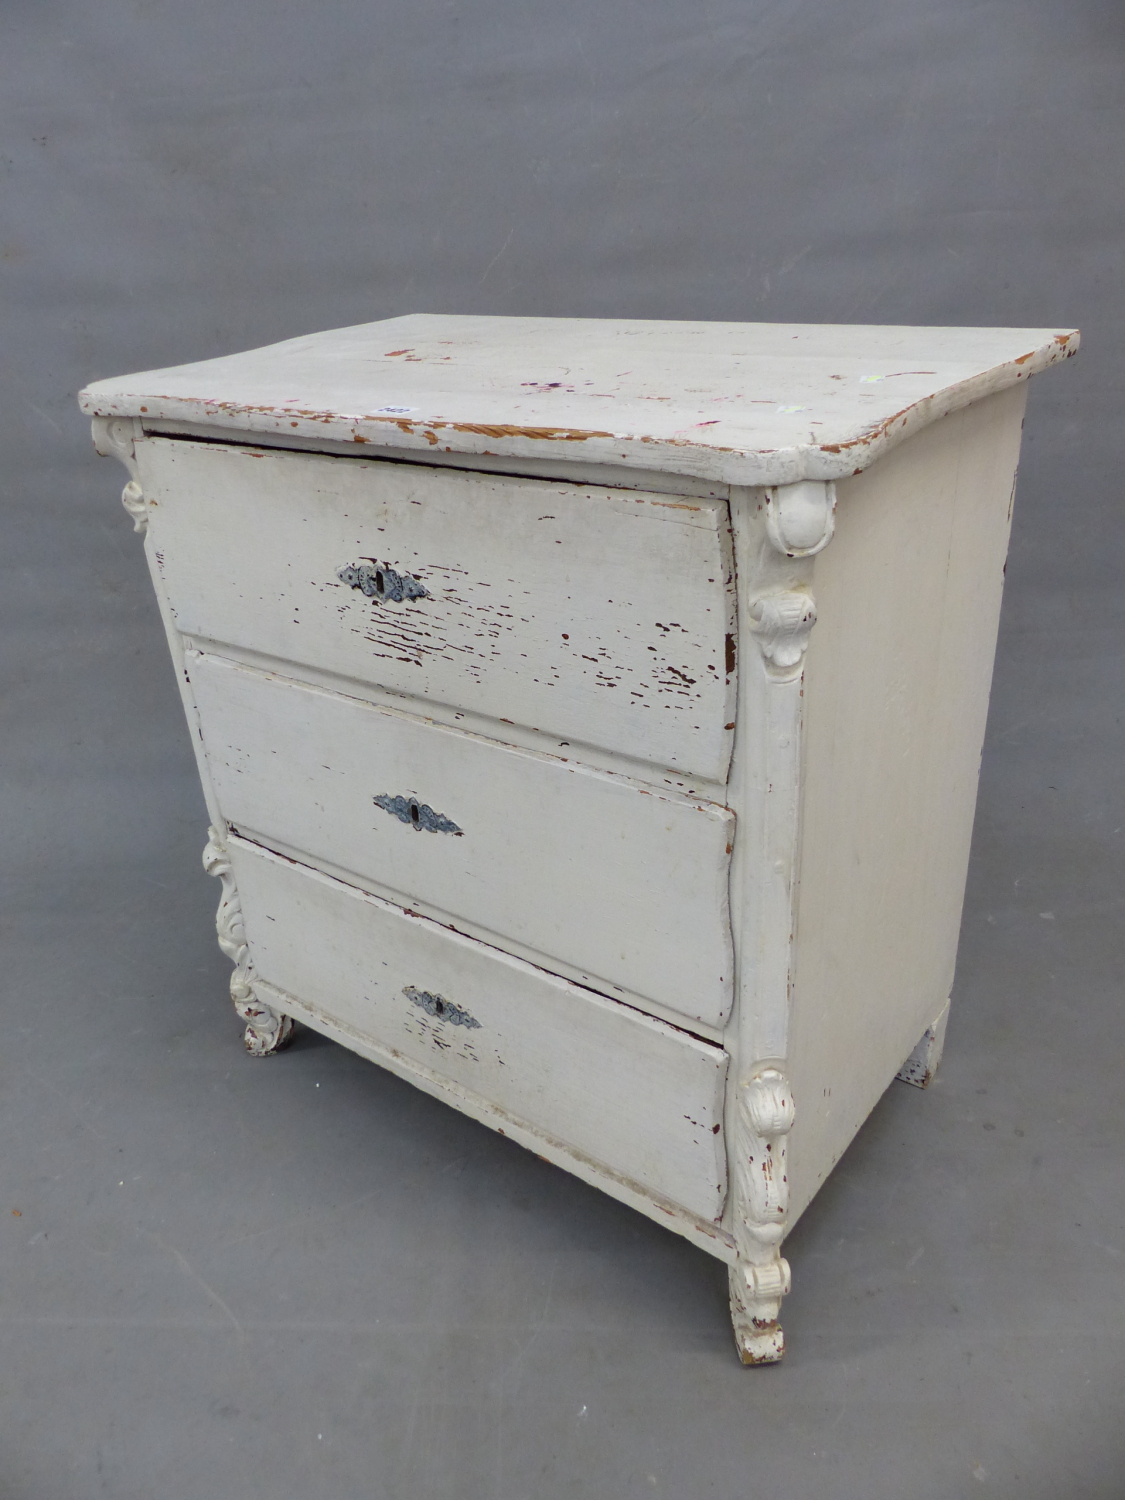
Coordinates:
[600,616]
[630,1092]
[623,884]
[896,691]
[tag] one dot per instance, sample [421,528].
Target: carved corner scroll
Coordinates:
[759,1279]
[115,437]
[800,522]
[266,1031]
[801,518]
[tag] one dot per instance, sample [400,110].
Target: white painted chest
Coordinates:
[589,715]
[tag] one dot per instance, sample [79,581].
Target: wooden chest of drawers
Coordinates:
[589,716]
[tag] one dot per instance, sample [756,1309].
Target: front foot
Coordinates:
[755,1303]
[920,1067]
[759,1278]
[266,1031]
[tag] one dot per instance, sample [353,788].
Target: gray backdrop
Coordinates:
[299,1278]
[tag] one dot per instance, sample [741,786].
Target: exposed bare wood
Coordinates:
[743,403]
[596,615]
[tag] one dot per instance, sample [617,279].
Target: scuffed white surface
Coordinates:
[742,403]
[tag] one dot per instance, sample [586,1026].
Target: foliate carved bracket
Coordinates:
[800,518]
[133,499]
[266,1031]
[115,437]
[759,1279]
[782,623]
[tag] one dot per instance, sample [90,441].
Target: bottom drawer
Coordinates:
[632,1093]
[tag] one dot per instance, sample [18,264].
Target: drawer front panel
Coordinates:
[599,616]
[632,1093]
[624,885]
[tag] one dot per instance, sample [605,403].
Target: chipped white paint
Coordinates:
[391,749]
[778,610]
[760,1278]
[625,885]
[743,403]
[624,1089]
[594,614]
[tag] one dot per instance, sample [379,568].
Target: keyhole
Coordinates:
[414,813]
[439,1007]
[380,582]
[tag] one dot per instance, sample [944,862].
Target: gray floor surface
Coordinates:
[299,1278]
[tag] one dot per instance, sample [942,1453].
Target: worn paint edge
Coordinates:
[628,450]
[572,471]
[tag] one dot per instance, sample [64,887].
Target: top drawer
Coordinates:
[600,616]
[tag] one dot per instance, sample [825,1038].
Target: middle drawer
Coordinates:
[623,886]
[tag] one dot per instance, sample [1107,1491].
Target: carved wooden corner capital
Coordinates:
[759,1279]
[266,1030]
[782,623]
[115,437]
[800,518]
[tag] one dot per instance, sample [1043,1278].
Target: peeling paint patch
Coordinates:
[421,818]
[505,429]
[440,1008]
